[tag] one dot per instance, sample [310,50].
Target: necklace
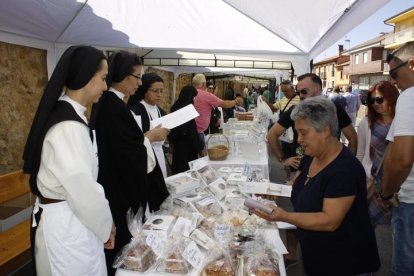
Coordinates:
[308,178]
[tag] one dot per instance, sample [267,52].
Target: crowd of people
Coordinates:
[87,174]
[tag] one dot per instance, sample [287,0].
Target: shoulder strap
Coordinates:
[287,104]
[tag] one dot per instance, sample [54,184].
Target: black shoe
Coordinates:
[290,263]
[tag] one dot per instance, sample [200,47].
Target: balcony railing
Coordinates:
[399,37]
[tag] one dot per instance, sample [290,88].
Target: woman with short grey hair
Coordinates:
[329,198]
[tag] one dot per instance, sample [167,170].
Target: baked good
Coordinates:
[265,271]
[139,258]
[219,267]
[174,264]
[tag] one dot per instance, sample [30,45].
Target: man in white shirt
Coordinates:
[398,161]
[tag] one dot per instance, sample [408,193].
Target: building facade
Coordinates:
[330,70]
[403,29]
[367,63]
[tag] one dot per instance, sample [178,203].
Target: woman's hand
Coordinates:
[110,244]
[276,215]
[157,134]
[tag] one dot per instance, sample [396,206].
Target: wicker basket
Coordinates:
[217,152]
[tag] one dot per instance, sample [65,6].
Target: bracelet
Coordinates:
[385,197]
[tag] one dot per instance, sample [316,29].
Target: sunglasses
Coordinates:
[379,100]
[394,71]
[303,91]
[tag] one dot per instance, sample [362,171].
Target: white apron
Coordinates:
[157,146]
[64,246]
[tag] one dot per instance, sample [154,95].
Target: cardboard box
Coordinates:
[181,183]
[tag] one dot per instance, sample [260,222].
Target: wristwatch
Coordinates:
[385,197]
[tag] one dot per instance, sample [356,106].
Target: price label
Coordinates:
[246,169]
[221,231]
[154,242]
[193,255]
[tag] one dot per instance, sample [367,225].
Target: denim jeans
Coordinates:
[202,139]
[403,238]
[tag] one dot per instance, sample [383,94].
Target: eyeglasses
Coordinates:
[135,76]
[155,90]
[303,91]
[379,100]
[394,71]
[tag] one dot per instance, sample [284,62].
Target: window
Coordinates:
[365,57]
[333,70]
[356,59]
[363,83]
[384,55]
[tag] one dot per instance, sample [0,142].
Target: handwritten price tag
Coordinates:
[246,169]
[193,255]
[221,231]
[154,242]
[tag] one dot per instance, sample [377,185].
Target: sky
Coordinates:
[370,28]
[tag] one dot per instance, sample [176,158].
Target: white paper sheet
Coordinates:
[284,225]
[267,188]
[177,118]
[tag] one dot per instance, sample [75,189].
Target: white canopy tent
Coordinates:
[278,31]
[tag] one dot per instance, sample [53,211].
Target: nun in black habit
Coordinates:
[184,138]
[145,104]
[73,216]
[125,154]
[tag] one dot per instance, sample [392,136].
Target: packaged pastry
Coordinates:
[222,262]
[208,174]
[236,178]
[185,199]
[202,239]
[218,188]
[219,267]
[181,183]
[261,261]
[208,206]
[160,224]
[172,260]
[136,255]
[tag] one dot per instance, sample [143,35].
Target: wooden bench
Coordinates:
[14,242]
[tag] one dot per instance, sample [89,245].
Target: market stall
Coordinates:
[204,228]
